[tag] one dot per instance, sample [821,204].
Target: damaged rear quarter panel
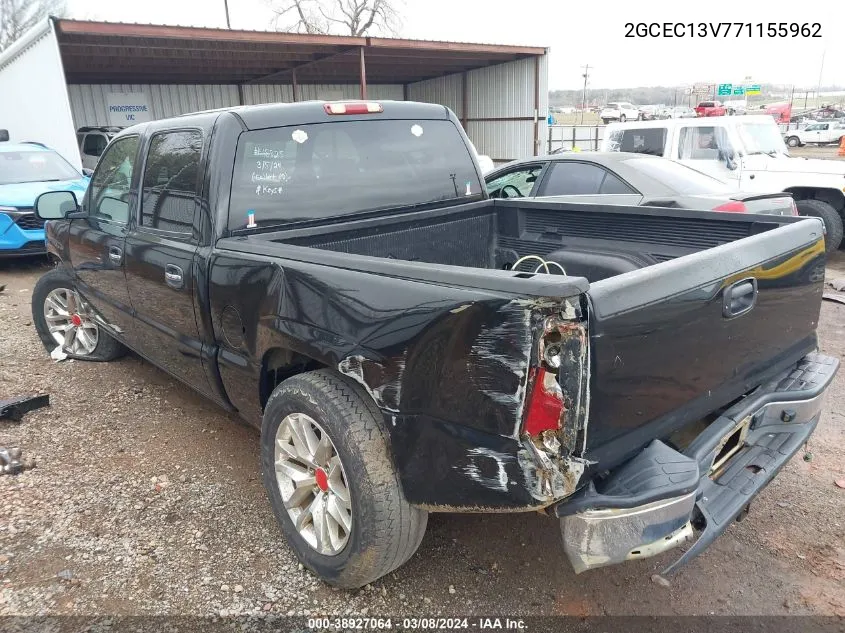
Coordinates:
[447,366]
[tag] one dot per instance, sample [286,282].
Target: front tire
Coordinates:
[378,529]
[831,218]
[62,319]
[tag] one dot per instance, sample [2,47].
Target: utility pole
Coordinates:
[819,88]
[226,7]
[586,76]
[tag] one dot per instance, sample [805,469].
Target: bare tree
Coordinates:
[18,16]
[341,17]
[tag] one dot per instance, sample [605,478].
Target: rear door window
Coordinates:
[570,178]
[172,181]
[649,140]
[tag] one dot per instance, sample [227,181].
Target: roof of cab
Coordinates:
[257,117]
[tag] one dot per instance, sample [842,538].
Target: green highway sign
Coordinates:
[753,89]
[739,90]
[725,89]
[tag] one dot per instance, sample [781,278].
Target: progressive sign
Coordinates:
[127,108]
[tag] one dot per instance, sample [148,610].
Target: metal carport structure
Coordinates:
[499,92]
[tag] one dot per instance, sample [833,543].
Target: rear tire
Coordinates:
[831,218]
[793,141]
[385,529]
[605,121]
[622,118]
[52,286]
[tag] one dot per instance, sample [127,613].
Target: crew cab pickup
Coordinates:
[337,275]
[748,153]
[820,132]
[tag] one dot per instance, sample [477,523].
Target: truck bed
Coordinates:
[591,241]
[665,349]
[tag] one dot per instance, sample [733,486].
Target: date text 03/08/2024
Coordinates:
[417,624]
[723,29]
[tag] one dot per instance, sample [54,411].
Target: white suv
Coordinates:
[620,111]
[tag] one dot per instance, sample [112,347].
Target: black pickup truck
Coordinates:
[336,274]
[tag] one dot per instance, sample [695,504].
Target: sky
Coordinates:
[579,33]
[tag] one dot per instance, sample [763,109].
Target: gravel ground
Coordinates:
[146,499]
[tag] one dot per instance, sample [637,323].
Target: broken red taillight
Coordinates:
[734,206]
[356,107]
[545,405]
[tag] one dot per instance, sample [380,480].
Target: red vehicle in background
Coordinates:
[710,108]
[781,112]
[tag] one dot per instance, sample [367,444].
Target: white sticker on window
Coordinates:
[300,136]
[416,130]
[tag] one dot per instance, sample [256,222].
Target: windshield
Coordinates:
[761,138]
[677,177]
[34,166]
[300,173]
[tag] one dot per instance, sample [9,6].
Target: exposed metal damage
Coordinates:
[550,462]
[383,381]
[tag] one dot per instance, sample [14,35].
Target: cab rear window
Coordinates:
[294,174]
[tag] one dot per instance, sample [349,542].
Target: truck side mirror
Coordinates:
[55,205]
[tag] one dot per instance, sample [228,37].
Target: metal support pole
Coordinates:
[363,75]
[536,106]
[464,101]
[295,85]
[405,92]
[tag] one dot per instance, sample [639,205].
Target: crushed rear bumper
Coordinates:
[651,503]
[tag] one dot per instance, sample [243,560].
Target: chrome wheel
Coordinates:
[313,484]
[69,323]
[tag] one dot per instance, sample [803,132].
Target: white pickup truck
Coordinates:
[747,152]
[822,133]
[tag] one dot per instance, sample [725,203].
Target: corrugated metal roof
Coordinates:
[104,52]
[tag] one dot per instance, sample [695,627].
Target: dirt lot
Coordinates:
[147,499]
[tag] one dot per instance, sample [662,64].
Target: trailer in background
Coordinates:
[35,105]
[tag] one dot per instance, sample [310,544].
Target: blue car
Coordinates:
[26,171]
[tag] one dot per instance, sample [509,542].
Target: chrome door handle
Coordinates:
[115,254]
[173,276]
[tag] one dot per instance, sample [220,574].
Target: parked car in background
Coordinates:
[710,108]
[92,142]
[648,112]
[26,171]
[626,178]
[737,106]
[818,133]
[619,111]
[748,153]
[677,112]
